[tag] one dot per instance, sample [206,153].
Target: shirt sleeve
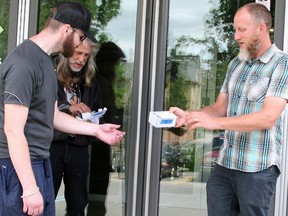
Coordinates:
[18,87]
[278,86]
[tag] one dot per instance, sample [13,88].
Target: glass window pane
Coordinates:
[4,27]
[114,25]
[200,46]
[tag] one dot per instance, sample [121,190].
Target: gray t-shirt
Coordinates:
[28,78]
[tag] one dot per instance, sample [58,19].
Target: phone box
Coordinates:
[162,119]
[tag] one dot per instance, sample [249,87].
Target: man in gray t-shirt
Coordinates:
[28,113]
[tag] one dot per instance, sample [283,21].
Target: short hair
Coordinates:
[53,24]
[260,13]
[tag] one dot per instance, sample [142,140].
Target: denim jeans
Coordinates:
[11,189]
[230,192]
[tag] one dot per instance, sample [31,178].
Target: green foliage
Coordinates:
[219,25]
[107,10]
[44,10]
[220,21]
[178,89]
[4,23]
[190,158]
[102,12]
[119,86]
[220,76]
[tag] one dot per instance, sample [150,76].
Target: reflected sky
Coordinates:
[186,18]
[123,28]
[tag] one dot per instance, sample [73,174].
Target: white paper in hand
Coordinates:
[94,116]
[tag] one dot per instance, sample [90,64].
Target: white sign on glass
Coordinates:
[266,3]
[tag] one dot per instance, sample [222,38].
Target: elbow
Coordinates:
[9,132]
[269,123]
[268,127]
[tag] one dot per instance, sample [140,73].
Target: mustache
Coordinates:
[78,63]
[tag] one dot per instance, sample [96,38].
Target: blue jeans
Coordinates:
[11,189]
[230,192]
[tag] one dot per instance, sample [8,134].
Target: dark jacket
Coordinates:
[91,97]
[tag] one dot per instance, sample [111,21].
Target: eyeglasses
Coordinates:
[82,36]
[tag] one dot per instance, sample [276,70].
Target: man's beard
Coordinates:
[243,54]
[252,48]
[71,65]
[68,47]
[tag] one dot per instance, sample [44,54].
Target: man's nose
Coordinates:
[236,36]
[82,58]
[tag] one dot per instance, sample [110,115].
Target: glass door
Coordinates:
[191,82]
[4,28]
[114,26]
[115,64]
[199,47]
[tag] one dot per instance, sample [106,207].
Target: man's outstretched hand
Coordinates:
[109,134]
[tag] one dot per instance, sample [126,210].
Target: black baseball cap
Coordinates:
[76,15]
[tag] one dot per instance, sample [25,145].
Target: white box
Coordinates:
[162,119]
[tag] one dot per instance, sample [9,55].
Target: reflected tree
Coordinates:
[177,94]
[102,12]
[219,24]
[119,85]
[192,67]
[4,26]
[177,87]
[218,40]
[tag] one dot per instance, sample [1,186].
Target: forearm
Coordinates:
[260,120]
[245,123]
[263,119]
[213,111]
[107,133]
[17,144]
[68,124]
[20,157]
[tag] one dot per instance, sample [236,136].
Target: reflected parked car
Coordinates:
[211,156]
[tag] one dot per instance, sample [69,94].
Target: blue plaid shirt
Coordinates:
[247,83]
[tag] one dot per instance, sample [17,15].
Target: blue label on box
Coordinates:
[166,121]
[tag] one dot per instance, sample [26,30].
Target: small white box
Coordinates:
[162,119]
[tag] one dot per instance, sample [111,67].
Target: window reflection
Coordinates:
[114,26]
[105,158]
[4,26]
[200,45]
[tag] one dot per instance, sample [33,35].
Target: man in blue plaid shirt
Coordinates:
[250,109]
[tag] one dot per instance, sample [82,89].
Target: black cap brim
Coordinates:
[91,37]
